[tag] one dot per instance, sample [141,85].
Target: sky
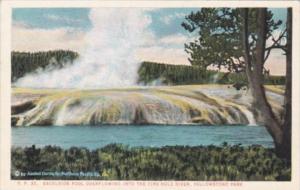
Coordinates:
[42,29]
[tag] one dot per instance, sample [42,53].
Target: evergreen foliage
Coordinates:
[27,62]
[218,33]
[167,74]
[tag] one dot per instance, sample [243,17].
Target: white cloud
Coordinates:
[175,56]
[276,35]
[25,38]
[169,18]
[276,63]
[167,49]
[175,39]
[62,19]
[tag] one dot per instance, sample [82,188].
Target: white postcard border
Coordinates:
[5,96]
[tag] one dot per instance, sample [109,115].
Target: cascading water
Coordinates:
[109,61]
[164,105]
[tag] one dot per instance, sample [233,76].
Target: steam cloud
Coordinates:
[109,61]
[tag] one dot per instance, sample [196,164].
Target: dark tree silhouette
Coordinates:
[218,40]
[280,130]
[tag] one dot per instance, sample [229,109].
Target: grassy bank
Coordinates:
[118,162]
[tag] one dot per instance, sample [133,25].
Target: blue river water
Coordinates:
[146,135]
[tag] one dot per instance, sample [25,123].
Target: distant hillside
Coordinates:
[26,62]
[153,73]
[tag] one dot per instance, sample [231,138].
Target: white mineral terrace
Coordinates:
[191,104]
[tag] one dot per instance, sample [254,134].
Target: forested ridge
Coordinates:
[148,73]
[169,74]
[28,62]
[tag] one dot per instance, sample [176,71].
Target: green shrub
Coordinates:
[118,162]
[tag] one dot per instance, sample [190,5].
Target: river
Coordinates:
[93,137]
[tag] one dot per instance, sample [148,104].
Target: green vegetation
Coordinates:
[118,162]
[26,62]
[219,41]
[184,74]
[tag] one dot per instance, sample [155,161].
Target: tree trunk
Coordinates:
[284,149]
[254,70]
